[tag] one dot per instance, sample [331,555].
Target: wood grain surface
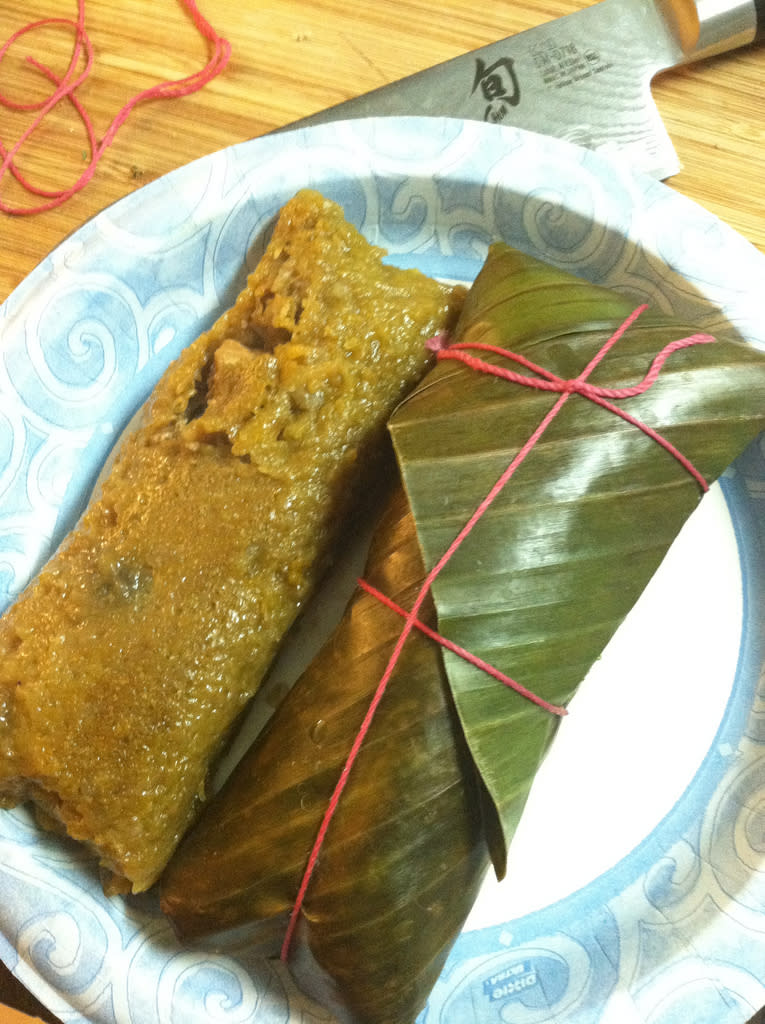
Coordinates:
[291,58]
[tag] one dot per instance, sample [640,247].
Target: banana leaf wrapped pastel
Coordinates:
[535,588]
[417,897]
[125,663]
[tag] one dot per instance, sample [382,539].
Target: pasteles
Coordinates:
[405,854]
[125,662]
[410,765]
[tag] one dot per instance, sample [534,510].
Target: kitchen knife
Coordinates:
[585,77]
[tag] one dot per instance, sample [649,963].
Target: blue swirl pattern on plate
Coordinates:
[674,932]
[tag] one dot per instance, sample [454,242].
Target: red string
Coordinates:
[547,381]
[65,88]
[450,645]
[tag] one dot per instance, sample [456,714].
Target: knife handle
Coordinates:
[720,25]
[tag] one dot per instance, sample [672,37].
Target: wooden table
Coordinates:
[291,58]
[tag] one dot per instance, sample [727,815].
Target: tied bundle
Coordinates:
[528,521]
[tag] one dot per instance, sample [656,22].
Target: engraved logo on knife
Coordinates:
[563,64]
[498,84]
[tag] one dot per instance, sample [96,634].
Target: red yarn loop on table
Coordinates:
[65,88]
[545,381]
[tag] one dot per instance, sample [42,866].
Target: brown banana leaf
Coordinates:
[561,556]
[537,589]
[404,856]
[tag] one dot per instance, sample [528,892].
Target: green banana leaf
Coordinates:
[553,567]
[537,589]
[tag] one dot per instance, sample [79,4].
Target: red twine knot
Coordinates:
[602,396]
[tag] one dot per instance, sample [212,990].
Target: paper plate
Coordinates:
[637,883]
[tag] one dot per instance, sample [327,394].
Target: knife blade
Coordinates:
[585,77]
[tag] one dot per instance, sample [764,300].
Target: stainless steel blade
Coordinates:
[585,77]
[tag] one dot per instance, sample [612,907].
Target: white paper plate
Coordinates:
[637,885]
